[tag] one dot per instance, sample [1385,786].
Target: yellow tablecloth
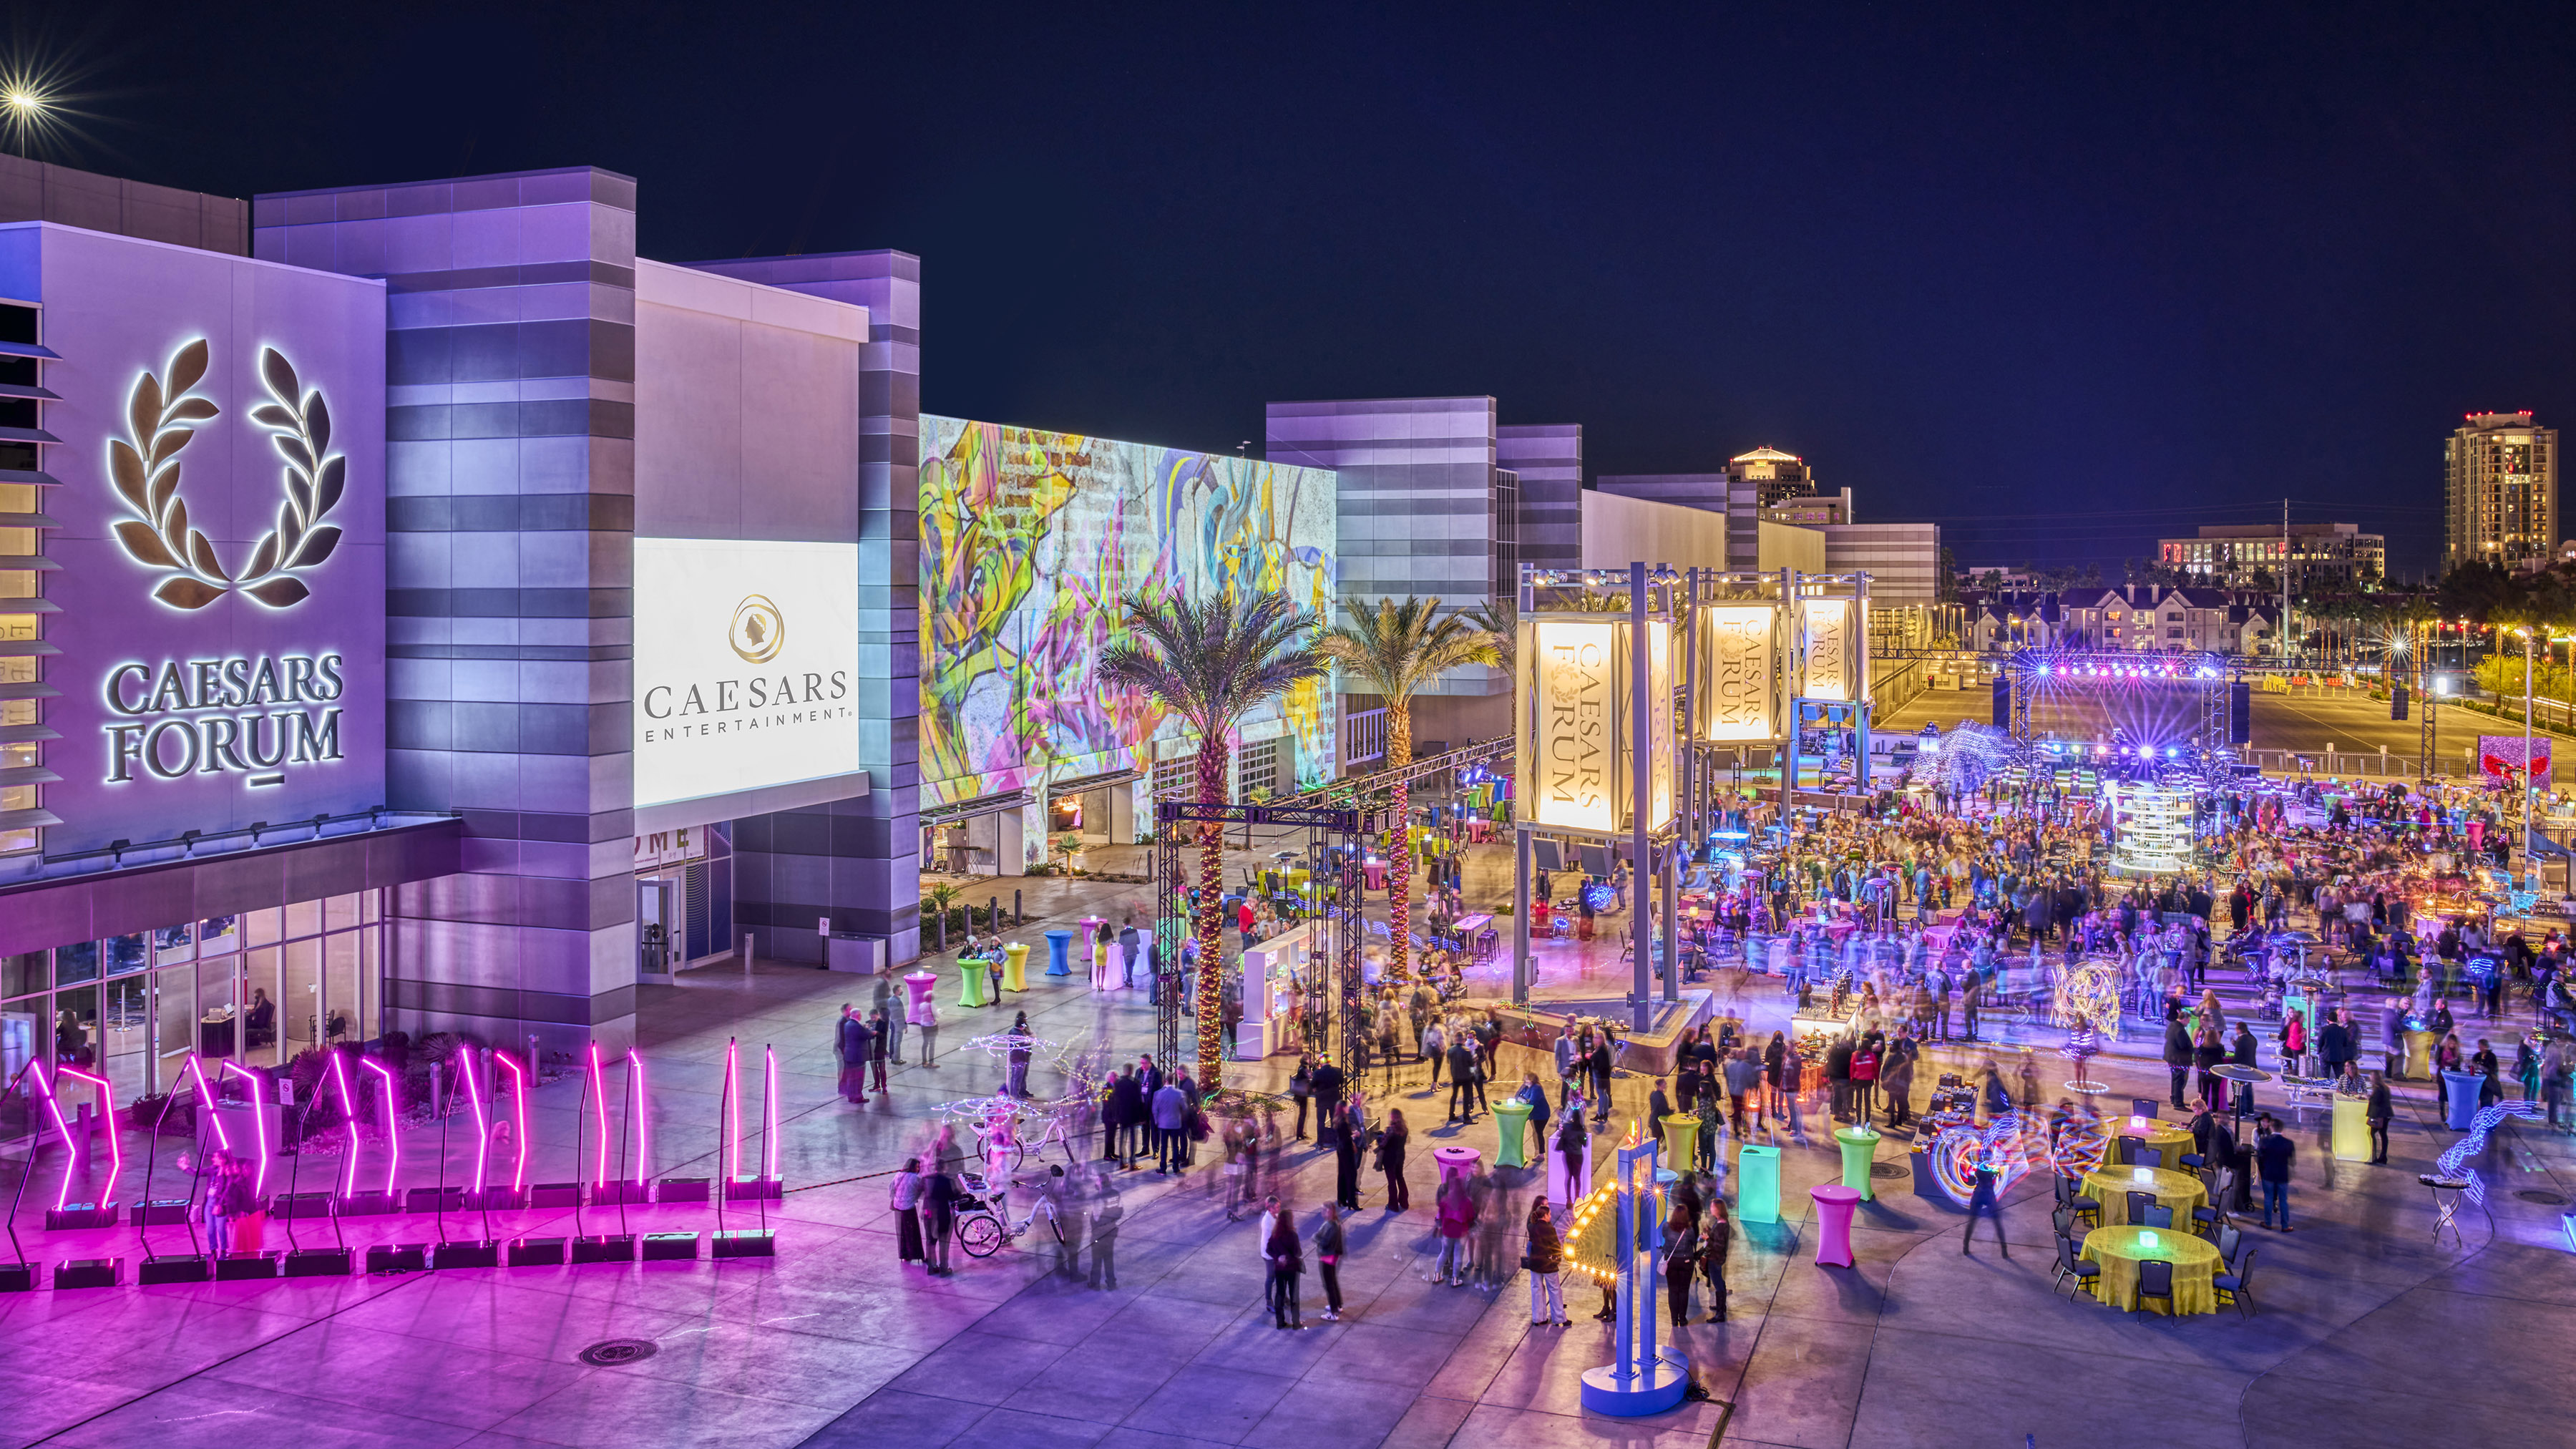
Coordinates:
[2111,1186]
[2173,1139]
[2119,1251]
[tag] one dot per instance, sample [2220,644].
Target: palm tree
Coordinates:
[1212,662]
[1500,618]
[1395,650]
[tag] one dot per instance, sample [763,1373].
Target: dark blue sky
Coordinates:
[2096,274]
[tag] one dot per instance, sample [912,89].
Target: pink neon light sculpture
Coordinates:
[518,1120]
[393,1139]
[769,1154]
[643,1118]
[733,1111]
[599,1100]
[71,1149]
[482,1123]
[115,1149]
[258,1126]
[206,1094]
[349,1122]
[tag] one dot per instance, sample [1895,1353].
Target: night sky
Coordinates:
[2058,278]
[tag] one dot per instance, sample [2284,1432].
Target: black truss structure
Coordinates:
[1333,844]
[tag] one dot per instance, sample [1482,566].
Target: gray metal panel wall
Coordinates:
[510,476]
[1549,459]
[859,861]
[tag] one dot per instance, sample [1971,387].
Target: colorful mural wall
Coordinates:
[1028,541]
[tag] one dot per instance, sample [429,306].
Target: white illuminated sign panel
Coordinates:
[1830,656]
[1574,753]
[1737,699]
[746,665]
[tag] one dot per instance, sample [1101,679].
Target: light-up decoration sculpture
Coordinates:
[772,1159]
[1645,1377]
[1031,1123]
[348,1123]
[258,1125]
[393,1136]
[71,1159]
[465,1068]
[518,1122]
[2454,1163]
[599,1099]
[730,1161]
[206,1095]
[2088,1005]
[2002,1145]
[643,1115]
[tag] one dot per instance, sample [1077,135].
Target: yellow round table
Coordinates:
[1015,966]
[2119,1251]
[1681,1141]
[2111,1186]
[2173,1139]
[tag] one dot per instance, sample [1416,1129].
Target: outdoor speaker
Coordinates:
[2240,713]
[434,1199]
[318,1263]
[368,1204]
[21,1277]
[606,1248]
[2397,701]
[86,1273]
[175,1268]
[497,1200]
[398,1258]
[475,1253]
[681,1189]
[2003,702]
[753,1189]
[161,1213]
[80,1215]
[555,1195]
[537,1253]
[610,1194]
[301,1205]
[1546,855]
[670,1247]
[747,1243]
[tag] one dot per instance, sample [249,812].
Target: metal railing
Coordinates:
[1363,736]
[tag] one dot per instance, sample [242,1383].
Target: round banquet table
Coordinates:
[2171,1138]
[2111,1186]
[2119,1251]
[1455,1161]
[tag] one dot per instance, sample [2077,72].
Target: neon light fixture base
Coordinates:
[1654,1389]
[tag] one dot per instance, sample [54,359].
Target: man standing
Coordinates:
[1565,1060]
[1171,1114]
[2178,1059]
[2273,1151]
[880,1042]
[853,1049]
[883,1000]
[1327,1085]
[1127,952]
[1462,1065]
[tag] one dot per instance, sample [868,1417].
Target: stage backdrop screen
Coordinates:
[746,671]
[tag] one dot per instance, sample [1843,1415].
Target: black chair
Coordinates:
[2144,1107]
[2139,1202]
[2158,1217]
[2155,1280]
[2130,1147]
[2063,1219]
[2233,1286]
[2083,1206]
[2071,1266]
[2228,1240]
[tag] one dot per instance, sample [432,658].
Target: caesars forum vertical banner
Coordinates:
[746,666]
[1576,727]
[1738,701]
[1832,667]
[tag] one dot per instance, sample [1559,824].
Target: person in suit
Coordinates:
[852,1046]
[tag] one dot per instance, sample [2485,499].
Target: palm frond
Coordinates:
[1397,648]
[1213,660]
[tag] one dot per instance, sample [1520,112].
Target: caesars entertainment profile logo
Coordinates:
[758,630]
[162,417]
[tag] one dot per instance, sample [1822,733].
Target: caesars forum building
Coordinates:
[419,612]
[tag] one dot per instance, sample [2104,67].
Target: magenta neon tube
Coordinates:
[349,1117]
[599,1100]
[769,1163]
[115,1149]
[518,1120]
[733,1111]
[482,1123]
[258,1126]
[206,1094]
[71,1149]
[393,1139]
[643,1119]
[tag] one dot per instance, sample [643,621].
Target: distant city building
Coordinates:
[1547,459]
[2229,555]
[2151,618]
[2500,491]
[1763,486]
[1812,510]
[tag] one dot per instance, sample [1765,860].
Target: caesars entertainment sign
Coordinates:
[746,666]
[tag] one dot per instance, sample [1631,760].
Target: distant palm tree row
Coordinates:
[1212,661]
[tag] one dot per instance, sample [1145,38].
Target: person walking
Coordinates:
[1328,1260]
[1106,1213]
[1286,1254]
[938,1220]
[1982,1199]
[925,1019]
[2273,1152]
[1681,1258]
[1545,1261]
[1716,1237]
[1453,1216]
[906,1202]
[1390,1160]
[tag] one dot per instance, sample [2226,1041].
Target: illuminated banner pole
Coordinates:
[1641,921]
[1523,700]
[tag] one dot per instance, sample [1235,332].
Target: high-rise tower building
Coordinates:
[2500,491]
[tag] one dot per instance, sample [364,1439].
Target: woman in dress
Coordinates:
[1390,1160]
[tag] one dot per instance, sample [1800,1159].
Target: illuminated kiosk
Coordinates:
[1618,1233]
[2151,827]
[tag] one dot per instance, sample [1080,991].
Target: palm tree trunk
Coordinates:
[1209,925]
[1399,865]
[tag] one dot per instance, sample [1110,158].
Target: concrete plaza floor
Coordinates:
[2368,1332]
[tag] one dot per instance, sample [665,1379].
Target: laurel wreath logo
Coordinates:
[145,469]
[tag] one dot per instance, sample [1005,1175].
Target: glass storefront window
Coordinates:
[370,906]
[174,1023]
[126,954]
[126,1033]
[24,975]
[260,927]
[339,913]
[172,944]
[22,1034]
[216,1035]
[216,936]
[340,986]
[368,1020]
[259,1018]
[303,918]
[76,1026]
[299,1000]
[76,963]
